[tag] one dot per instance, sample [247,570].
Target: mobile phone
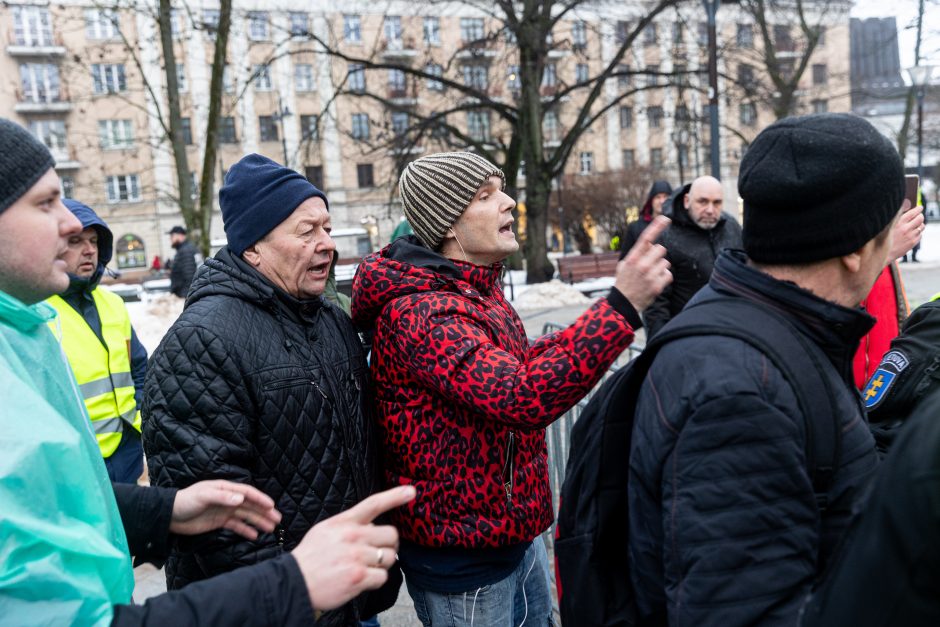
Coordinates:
[911,185]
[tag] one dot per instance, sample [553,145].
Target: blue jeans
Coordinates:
[522,598]
[126,463]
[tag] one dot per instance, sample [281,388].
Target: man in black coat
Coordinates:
[262,381]
[725,524]
[659,194]
[699,231]
[183,267]
[888,571]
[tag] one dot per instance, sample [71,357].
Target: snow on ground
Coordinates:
[153,316]
[551,294]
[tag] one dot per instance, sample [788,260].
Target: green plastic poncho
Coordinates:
[63,554]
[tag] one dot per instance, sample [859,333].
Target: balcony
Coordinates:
[38,101]
[401,97]
[35,47]
[476,51]
[398,50]
[63,160]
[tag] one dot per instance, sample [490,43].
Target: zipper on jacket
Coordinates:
[508,469]
[280,537]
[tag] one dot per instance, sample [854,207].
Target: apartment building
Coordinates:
[88,81]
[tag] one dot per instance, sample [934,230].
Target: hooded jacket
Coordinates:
[252,385]
[646,216]
[462,397]
[691,251]
[183,268]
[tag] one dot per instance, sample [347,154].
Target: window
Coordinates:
[649,34]
[432,31]
[678,32]
[400,123]
[655,116]
[745,36]
[364,174]
[471,29]
[656,158]
[68,186]
[820,106]
[210,20]
[193,186]
[435,70]
[475,76]
[176,22]
[268,126]
[360,126]
[298,23]
[392,30]
[115,134]
[123,188]
[512,77]
[52,134]
[108,78]
[579,34]
[181,84]
[32,26]
[629,159]
[550,126]
[101,24]
[623,75]
[228,83]
[40,82]
[626,117]
[587,162]
[703,33]
[745,76]
[352,29]
[303,77]
[396,81]
[314,174]
[262,74]
[131,252]
[652,76]
[187,131]
[227,131]
[357,77]
[258,25]
[821,30]
[622,31]
[309,128]
[782,39]
[683,153]
[478,125]
[747,113]
[820,75]
[581,73]
[549,75]
[682,113]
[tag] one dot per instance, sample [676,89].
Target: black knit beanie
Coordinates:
[23,161]
[259,194]
[817,187]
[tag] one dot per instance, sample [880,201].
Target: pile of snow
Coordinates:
[551,294]
[153,317]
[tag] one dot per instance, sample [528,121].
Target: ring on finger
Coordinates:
[379,557]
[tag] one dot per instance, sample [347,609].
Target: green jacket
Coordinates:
[65,555]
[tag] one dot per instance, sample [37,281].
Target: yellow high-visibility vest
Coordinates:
[103,374]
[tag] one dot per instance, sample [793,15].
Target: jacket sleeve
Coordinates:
[723,515]
[197,425]
[272,593]
[145,513]
[453,355]
[656,315]
[138,367]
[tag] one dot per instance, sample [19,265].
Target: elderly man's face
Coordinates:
[297,254]
[34,234]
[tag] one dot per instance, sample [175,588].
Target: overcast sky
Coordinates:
[905,11]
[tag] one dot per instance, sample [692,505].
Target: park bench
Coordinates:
[579,268]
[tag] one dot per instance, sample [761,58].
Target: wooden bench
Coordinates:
[578,268]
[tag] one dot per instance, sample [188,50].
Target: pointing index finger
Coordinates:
[377,504]
[652,232]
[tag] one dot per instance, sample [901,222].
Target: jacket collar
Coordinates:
[409,250]
[834,328]
[21,316]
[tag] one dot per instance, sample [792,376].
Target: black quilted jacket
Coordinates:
[252,385]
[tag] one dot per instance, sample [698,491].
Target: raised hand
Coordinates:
[644,273]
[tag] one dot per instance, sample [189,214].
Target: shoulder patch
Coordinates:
[892,364]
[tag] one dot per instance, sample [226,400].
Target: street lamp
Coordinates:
[283,112]
[920,78]
[711,8]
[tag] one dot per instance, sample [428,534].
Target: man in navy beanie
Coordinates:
[743,478]
[262,381]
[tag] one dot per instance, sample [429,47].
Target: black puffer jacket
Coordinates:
[252,385]
[724,525]
[692,252]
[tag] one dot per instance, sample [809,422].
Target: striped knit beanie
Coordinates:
[435,190]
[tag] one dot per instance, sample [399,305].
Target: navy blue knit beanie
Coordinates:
[259,194]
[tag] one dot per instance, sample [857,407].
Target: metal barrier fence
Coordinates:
[558,434]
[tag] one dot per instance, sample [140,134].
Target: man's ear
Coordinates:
[448,234]
[853,261]
[686,201]
[252,255]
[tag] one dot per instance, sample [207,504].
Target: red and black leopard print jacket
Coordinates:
[463,399]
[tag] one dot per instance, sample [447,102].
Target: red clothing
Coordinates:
[888,304]
[462,397]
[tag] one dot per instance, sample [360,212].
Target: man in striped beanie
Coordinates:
[463,400]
